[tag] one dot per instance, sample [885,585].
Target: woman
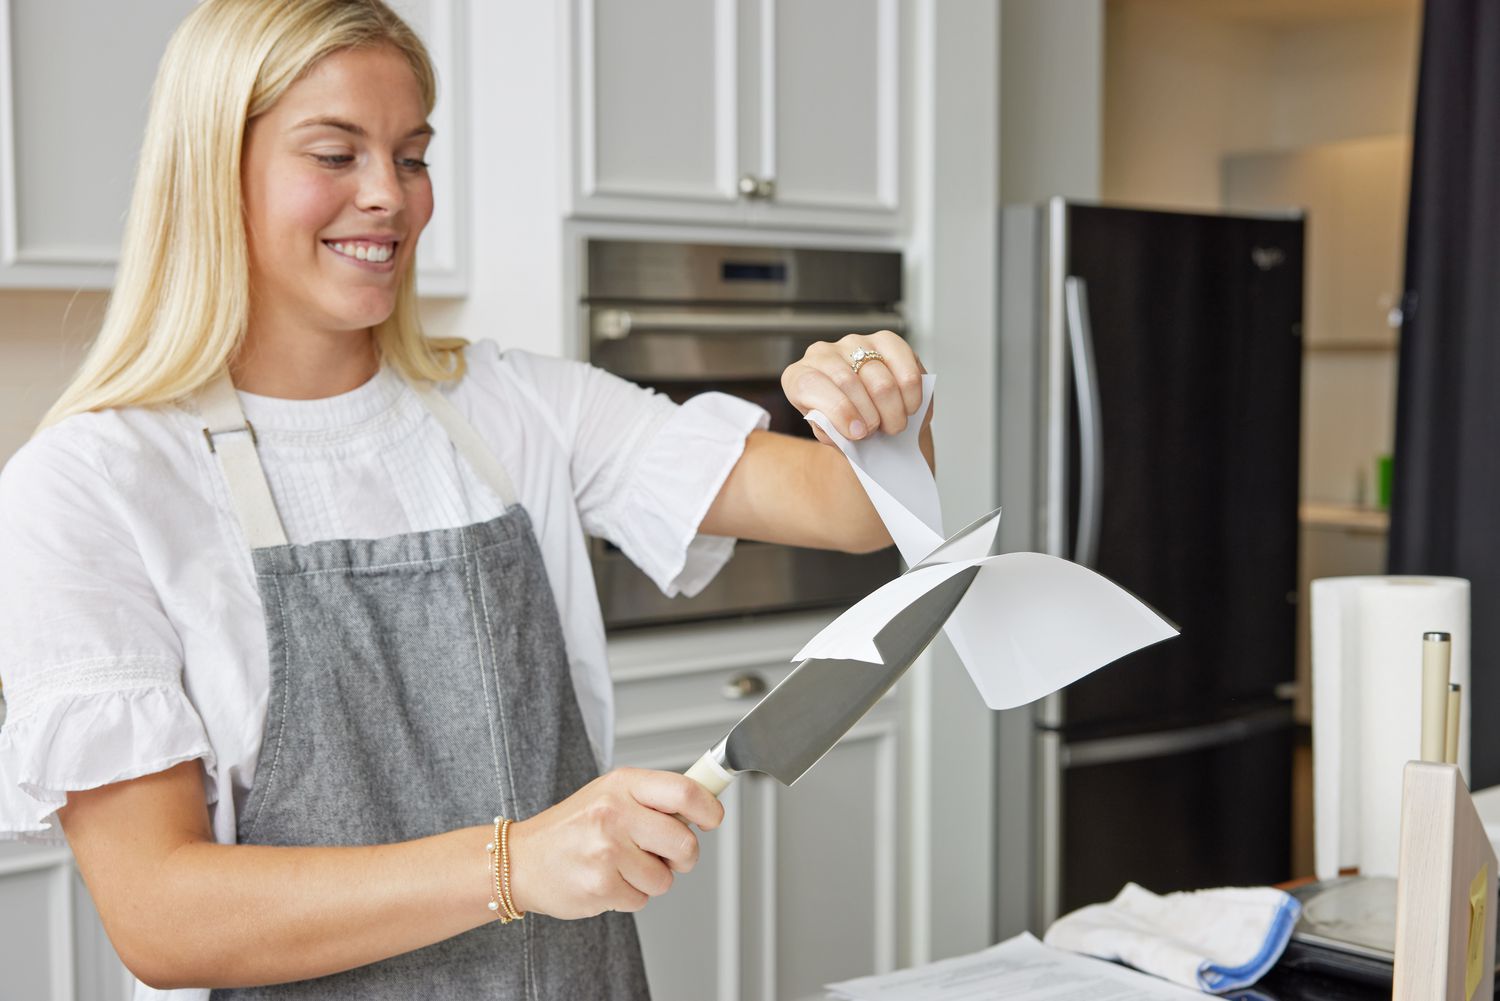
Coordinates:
[296,600]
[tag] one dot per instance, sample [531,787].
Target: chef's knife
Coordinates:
[803,717]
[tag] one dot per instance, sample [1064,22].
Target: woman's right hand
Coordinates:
[611,846]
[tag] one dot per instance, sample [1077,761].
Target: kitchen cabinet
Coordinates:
[52,946]
[75,81]
[739,112]
[800,885]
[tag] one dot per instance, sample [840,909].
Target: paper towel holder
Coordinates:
[1445,891]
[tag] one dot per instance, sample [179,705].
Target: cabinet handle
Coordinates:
[759,188]
[744,686]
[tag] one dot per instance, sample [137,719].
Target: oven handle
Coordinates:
[617,324]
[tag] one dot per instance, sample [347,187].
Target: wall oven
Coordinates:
[685,319]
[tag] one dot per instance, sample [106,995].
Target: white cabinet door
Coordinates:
[829,97]
[75,84]
[656,93]
[52,946]
[680,104]
[75,78]
[830,879]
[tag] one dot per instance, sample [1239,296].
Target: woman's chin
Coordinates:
[366,312]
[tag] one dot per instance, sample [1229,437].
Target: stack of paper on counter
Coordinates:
[1020,969]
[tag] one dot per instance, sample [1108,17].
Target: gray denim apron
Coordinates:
[419,683]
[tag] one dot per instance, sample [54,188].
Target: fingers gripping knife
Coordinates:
[803,717]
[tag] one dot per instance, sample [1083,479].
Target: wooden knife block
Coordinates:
[1445,891]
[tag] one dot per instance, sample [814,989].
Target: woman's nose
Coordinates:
[380,188]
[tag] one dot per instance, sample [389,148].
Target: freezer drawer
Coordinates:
[1202,807]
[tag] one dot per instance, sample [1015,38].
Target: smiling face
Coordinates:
[336,193]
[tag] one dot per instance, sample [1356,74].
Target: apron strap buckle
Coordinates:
[208,435]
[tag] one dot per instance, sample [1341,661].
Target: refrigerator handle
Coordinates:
[1090,421]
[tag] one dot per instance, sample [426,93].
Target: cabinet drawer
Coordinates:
[715,698]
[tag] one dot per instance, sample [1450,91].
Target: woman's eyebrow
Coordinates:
[326,121]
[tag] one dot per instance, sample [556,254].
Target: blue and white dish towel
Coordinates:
[1210,940]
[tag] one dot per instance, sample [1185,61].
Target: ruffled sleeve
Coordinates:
[678,472]
[91,666]
[65,742]
[644,470]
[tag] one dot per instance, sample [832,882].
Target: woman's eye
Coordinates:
[411,164]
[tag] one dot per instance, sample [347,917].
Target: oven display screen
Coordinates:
[735,271]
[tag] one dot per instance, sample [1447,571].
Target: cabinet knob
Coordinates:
[744,686]
[760,188]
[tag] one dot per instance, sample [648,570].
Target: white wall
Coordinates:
[1344,79]
[1184,87]
[514,188]
[1180,89]
[1051,99]
[43,336]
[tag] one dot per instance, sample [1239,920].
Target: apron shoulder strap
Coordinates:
[467,441]
[232,438]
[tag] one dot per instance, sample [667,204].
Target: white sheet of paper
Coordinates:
[1018,969]
[1029,625]
[895,475]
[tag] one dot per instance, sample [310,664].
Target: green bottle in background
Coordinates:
[1384,467]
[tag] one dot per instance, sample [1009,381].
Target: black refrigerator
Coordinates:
[1149,406]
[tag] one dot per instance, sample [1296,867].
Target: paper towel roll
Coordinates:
[1367,702]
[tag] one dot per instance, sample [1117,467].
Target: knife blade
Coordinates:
[803,717]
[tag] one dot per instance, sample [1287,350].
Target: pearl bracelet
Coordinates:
[499,853]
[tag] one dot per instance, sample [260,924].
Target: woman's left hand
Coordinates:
[879,397]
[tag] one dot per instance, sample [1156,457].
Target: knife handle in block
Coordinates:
[1436,661]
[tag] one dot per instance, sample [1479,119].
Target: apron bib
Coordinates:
[419,683]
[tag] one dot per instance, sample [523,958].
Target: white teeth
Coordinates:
[375,253]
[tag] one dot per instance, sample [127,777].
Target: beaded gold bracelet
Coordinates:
[499,852]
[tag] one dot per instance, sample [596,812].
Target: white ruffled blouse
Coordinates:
[131,633]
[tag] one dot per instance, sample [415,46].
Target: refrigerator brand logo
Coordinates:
[1267,258]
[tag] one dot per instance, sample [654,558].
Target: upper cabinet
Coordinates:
[75,85]
[75,82]
[739,112]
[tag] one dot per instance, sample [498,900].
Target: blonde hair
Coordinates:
[181,301]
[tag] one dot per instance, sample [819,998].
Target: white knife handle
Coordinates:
[709,774]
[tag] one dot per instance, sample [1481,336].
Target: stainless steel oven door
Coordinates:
[682,351]
[761,578]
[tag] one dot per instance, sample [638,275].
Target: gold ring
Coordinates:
[859,356]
